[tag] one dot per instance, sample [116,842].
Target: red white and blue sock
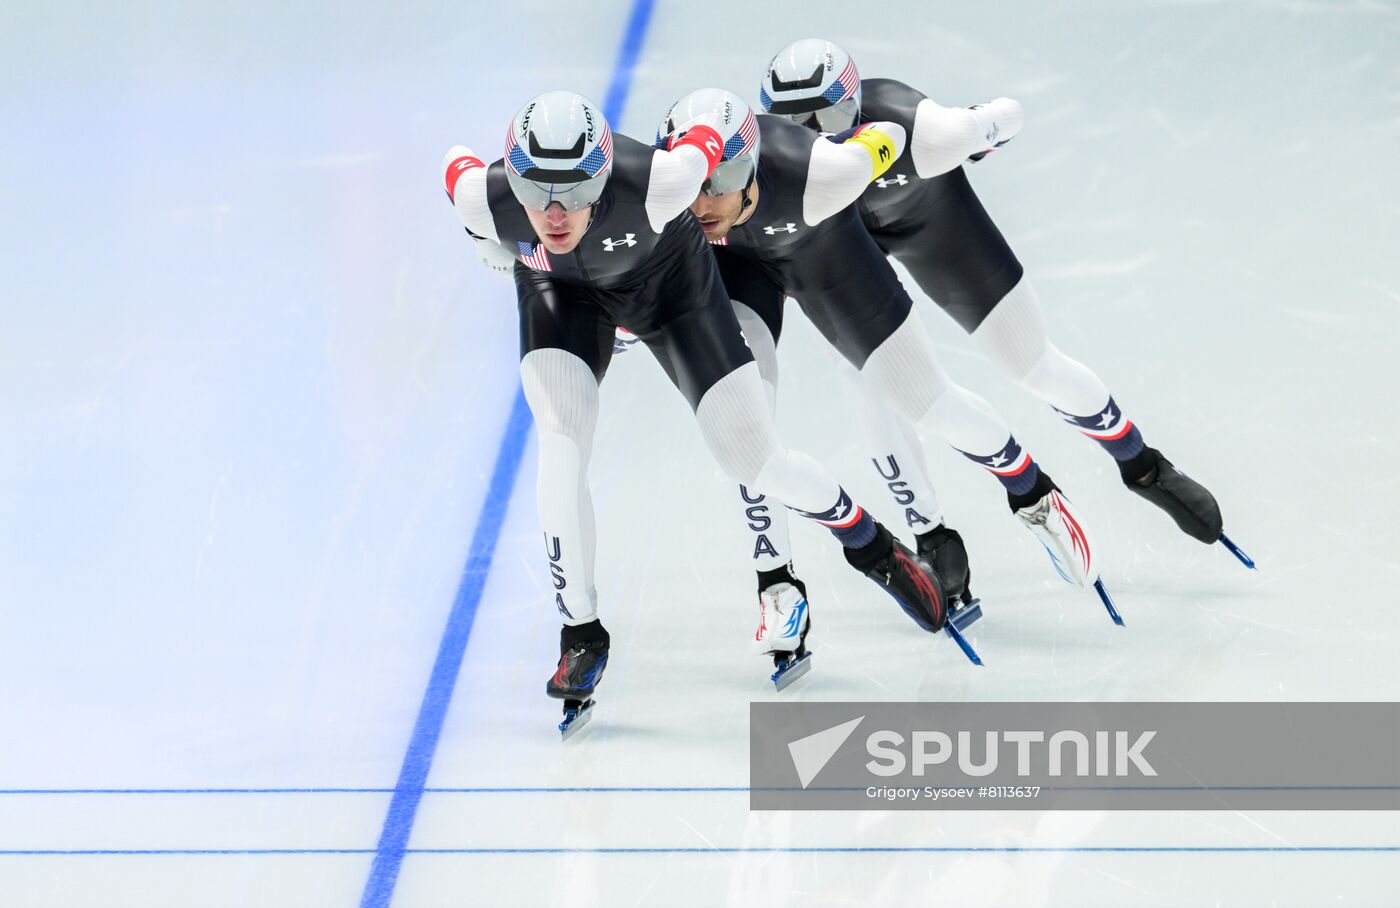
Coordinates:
[848,522]
[1111,429]
[1014,467]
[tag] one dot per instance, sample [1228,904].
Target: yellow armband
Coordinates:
[879,146]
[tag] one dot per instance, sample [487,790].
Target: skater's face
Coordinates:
[560,231]
[718,214]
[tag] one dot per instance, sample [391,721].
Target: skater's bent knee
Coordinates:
[742,449]
[734,419]
[561,391]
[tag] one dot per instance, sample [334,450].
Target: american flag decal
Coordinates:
[516,159]
[597,160]
[533,254]
[845,85]
[742,141]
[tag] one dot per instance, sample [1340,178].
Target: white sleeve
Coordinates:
[676,178]
[944,137]
[839,173]
[468,193]
[495,256]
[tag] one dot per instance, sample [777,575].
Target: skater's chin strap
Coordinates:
[746,201]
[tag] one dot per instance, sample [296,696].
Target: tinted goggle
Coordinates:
[834,118]
[729,176]
[573,194]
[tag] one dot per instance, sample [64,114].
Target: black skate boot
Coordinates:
[1152,476]
[583,654]
[944,550]
[908,578]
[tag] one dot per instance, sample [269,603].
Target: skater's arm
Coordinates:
[678,172]
[843,165]
[494,256]
[945,137]
[464,176]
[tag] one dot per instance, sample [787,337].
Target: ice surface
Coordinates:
[253,382]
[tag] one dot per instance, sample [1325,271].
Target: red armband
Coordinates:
[456,169]
[705,139]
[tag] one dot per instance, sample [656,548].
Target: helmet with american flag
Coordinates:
[729,116]
[814,83]
[558,149]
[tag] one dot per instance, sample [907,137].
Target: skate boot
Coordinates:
[909,579]
[783,623]
[1054,522]
[583,654]
[1186,501]
[944,550]
[1048,515]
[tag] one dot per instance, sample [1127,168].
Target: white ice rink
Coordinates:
[254,385]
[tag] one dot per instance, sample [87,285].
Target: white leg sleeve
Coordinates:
[1013,336]
[897,453]
[735,422]
[563,397]
[905,372]
[768,521]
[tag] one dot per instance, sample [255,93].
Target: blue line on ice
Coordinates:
[413,776]
[835,849]
[633,789]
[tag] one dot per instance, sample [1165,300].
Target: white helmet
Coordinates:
[738,130]
[558,149]
[813,83]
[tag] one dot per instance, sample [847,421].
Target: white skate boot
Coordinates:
[783,623]
[1062,532]
[1059,529]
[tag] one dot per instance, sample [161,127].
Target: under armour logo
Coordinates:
[610,244]
[789,228]
[898,180]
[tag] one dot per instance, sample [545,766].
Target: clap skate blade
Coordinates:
[1108,602]
[1235,550]
[958,621]
[576,716]
[790,667]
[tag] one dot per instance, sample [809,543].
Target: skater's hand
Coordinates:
[999,121]
[494,256]
[702,136]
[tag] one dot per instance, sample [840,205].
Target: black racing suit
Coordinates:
[936,228]
[836,271]
[664,287]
